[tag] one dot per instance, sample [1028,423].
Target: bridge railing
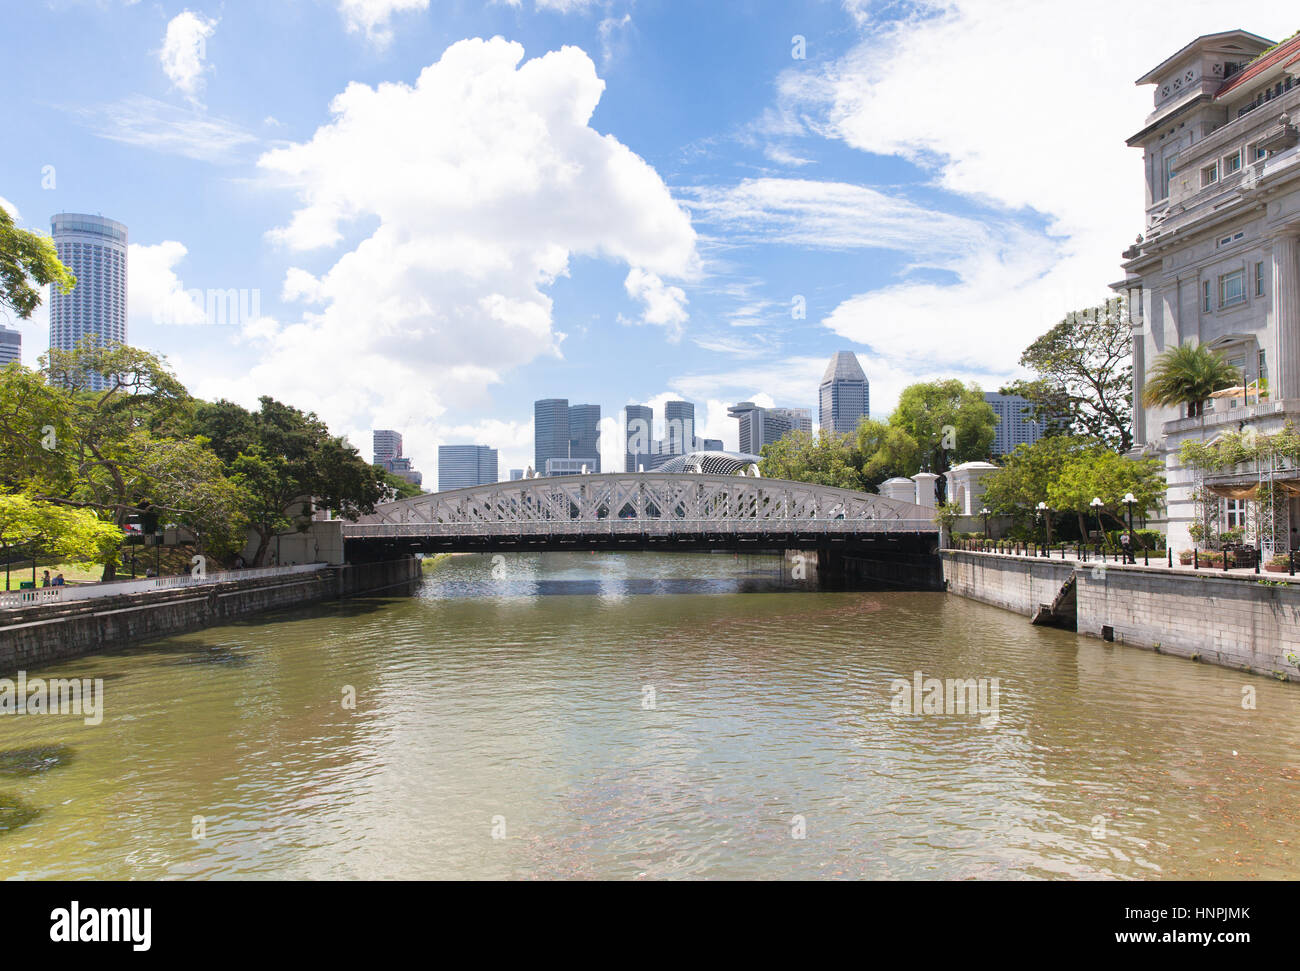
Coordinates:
[89,591]
[638,527]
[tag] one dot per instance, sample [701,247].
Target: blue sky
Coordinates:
[449,208]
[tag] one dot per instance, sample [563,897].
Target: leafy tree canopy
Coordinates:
[28,261]
[1084,375]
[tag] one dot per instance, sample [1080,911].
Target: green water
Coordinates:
[648,716]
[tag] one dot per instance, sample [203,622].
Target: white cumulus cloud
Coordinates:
[473,188]
[184,51]
[372,17]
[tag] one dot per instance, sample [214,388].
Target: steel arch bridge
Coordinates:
[637,511]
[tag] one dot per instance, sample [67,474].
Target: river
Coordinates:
[650,716]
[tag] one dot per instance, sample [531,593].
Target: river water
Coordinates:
[650,716]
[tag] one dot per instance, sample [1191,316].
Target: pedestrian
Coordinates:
[58,581]
[45,578]
[1126,543]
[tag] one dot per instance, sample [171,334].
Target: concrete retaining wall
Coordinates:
[1016,583]
[37,636]
[1245,622]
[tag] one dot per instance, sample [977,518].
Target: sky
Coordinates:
[433,212]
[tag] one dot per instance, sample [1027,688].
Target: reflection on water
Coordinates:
[648,715]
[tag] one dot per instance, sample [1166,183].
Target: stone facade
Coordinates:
[1217,262]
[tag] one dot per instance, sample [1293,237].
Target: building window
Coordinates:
[1210,174]
[1170,172]
[1232,288]
[1234,513]
[1232,163]
[1260,153]
[1259,279]
[1205,303]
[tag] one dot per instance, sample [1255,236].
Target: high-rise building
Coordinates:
[1016,422]
[1218,264]
[845,394]
[709,445]
[584,434]
[516,475]
[387,445]
[464,466]
[679,428]
[11,346]
[94,249]
[765,426]
[550,431]
[639,426]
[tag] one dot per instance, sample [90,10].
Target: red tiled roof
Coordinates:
[1285,54]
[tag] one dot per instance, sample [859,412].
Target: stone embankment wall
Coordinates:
[36,636]
[1244,621]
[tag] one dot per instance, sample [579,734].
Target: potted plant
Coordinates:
[1278,564]
[1185,557]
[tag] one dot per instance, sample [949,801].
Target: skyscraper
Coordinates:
[639,426]
[11,346]
[388,453]
[387,445]
[550,431]
[1016,422]
[845,394]
[679,428]
[765,426]
[584,434]
[94,249]
[463,466]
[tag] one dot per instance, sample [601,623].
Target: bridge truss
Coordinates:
[642,504]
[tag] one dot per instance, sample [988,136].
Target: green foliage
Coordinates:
[1240,448]
[1084,375]
[284,460]
[34,528]
[1188,375]
[950,423]
[1067,474]
[829,459]
[28,261]
[396,487]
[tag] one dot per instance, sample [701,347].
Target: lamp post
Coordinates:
[1130,500]
[985,513]
[1096,505]
[1044,511]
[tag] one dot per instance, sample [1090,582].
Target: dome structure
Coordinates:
[711,463]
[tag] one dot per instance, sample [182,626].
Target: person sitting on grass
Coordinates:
[58,581]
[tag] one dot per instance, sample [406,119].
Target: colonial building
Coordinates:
[1218,261]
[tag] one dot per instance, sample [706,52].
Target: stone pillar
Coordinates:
[925,488]
[1286,315]
[1139,385]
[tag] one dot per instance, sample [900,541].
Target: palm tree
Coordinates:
[1187,375]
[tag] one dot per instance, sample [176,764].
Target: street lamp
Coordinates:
[985,513]
[1096,505]
[1130,500]
[1044,512]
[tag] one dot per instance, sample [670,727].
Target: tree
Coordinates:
[1025,479]
[1084,375]
[286,462]
[827,459]
[1067,474]
[28,261]
[1108,476]
[888,451]
[1187,375]
[37,528]
[950,423]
